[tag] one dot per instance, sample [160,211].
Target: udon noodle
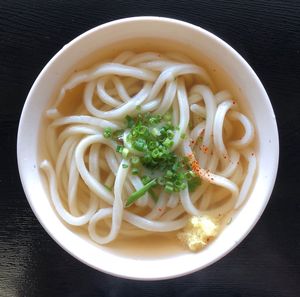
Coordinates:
[90,181]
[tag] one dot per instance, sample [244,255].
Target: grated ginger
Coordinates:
[198,231]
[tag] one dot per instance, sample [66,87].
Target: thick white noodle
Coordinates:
[168,98]
[159,208]
[138,221]
[104,96]
[117,209]
[184,115]
[83,119]
[210,105]
[218,128]
[197,131]
[199,110]
[90,180]
[173,201]
[250,157]
[113,164]
[102,70]
[249,130]
[222,96]
[76,130]
[57,201]
[120,112]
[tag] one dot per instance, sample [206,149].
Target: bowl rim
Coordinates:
[22,173]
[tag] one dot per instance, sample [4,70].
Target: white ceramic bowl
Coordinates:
[245,80]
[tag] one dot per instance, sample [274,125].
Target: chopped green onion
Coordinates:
[194,183]
[154,119]
[135,171]
[168,142]
[155,132]
[125,165]
[107,132]
[146,179]
[167,117]
[182,186]
[182,136]
[169,183]
[179,184]
[170,134]
[169,189]
[140,144]
[169,173]
[155,153]
[142,130]
[141,192]
[119,148]
[161,181]
[130,121]
[135,160]
[152,145]
[190,174]
[125,152]
[147,158]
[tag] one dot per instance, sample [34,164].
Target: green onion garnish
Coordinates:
[125,152]
[119,148]
[135,171]
[153,137]
[169,189]
[194,183]
[140,144]
[107,132]
[141,192]
[130,121]
[135,160]
[146,179]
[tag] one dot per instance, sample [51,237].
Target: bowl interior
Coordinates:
[225,66]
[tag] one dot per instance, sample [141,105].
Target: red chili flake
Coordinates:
[212,178]
[233,102]
[159,209]
[204,148]
[252,154]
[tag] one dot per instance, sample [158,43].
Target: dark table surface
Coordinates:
[266,33]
